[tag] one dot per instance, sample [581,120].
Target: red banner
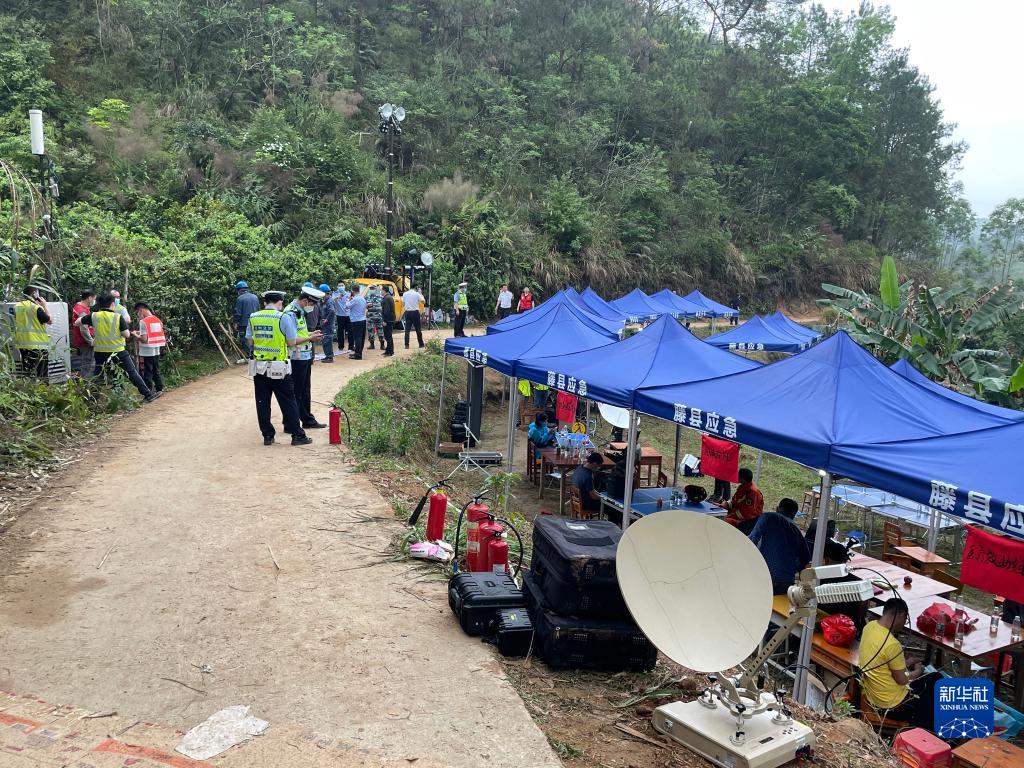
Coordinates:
[994,564]
[719,459]
[565,407]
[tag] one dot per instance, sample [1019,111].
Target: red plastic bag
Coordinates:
[838,629]
[929,618]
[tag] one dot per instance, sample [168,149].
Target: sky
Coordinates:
[972,52]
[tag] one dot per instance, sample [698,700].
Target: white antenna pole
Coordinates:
[627,493]
[803,658]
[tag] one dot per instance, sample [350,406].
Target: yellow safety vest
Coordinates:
[461,300]
[268,342]
[300,327]
[524,387]
[29,333]
[107,325]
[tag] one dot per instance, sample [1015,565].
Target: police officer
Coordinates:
[271,332]
[301,354]
[461,306]
[30,320]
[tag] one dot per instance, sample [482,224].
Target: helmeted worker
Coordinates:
[151,339]
[30,320]
[110,330]
[271,332]
[302,355]
[460,304]
[245,305]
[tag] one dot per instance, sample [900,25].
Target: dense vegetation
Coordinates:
[752,147]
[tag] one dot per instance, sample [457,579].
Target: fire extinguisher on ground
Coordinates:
[436,512]
[486,543]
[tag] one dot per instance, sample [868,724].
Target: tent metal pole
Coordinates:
[440,403]
[513,383]
[803,658]
[675,463]
[627,493]
[757,471]
[933,529]
[713,324]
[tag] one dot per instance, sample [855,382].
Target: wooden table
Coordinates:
[841,662]
[977,644]
[549,457]
[921,585]
[992,752]
[649,458]
[927,562]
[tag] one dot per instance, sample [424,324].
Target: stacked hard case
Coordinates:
[476,599]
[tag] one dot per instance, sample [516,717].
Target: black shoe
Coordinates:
[154,396]
[422,345]
[327,360]
[268,441]
[406,346]
[355,357]
[304,440]
[371,345]
[314,425]
[389,354]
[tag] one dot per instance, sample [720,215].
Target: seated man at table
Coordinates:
[898,689]
[835,553]
[781,544]
[746,505]
[583,479]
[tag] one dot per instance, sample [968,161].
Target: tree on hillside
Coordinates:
[1003,234]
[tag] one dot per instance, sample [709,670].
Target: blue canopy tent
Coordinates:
[910,373]
[598,305]
[793,328]
[682,307]
[542,310]
[710,307]
[662,353]
[638,307]
[601,309]
[811,407]
[756,334]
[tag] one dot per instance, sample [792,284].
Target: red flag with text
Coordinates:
[565,407]
[719,459]
[994,564]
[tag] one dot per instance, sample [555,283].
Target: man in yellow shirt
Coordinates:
[897,689]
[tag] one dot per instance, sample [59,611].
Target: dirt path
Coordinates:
[152,558]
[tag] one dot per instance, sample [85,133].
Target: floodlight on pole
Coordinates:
[390,117]
[35,127]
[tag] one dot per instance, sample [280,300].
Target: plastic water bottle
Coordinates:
[997,614]
[940,625]
[1015,630]
[958,637]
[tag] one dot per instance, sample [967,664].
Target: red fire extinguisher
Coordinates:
[476,513]
[489,530]
[493,547]
[436,516]
[334,424]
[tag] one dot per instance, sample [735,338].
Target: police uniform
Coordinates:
[270,370]
[302,360]
[461,302]
[31,339]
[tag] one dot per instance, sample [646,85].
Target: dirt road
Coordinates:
[153,560]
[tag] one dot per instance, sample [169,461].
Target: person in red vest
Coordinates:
[525,300]
[746,505]
[151,340]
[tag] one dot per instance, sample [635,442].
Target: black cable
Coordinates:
[522,549]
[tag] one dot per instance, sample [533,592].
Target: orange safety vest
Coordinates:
[154,331]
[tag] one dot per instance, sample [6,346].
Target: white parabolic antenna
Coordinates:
[696,586]
[617,417]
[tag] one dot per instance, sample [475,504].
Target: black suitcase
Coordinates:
[476,598]
[573,564]
[576,643]
[514,632]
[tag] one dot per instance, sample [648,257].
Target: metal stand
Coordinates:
[803,659]
[627,493]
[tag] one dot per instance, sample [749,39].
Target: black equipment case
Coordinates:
[514,632]
[476,598]
[575,643]
[573,564]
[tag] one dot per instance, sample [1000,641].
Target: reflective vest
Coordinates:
[301,329]
[29,333]
[268,342]
[524,387]
[461,300]
[108,338]
[154,331]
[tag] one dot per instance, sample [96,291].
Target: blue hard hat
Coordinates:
[307,284]
[325,287]
[241,284]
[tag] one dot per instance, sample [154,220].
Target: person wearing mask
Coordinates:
[313,316]
[357,318]
[81,338]
[503,306]
[272,332]
[899,689]
[30,337]
[525,301]
[412,300]
[151,341]
[583,479]
[119,307]
[301,354]
[328,322]
[781,544]
[539,434]
[374,318]
[245,305]
[388,321]
[460,305]
[746,505]
[110,330]
[339,300]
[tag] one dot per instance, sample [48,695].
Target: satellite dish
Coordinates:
[617,417]
[697,587]
[426,258]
